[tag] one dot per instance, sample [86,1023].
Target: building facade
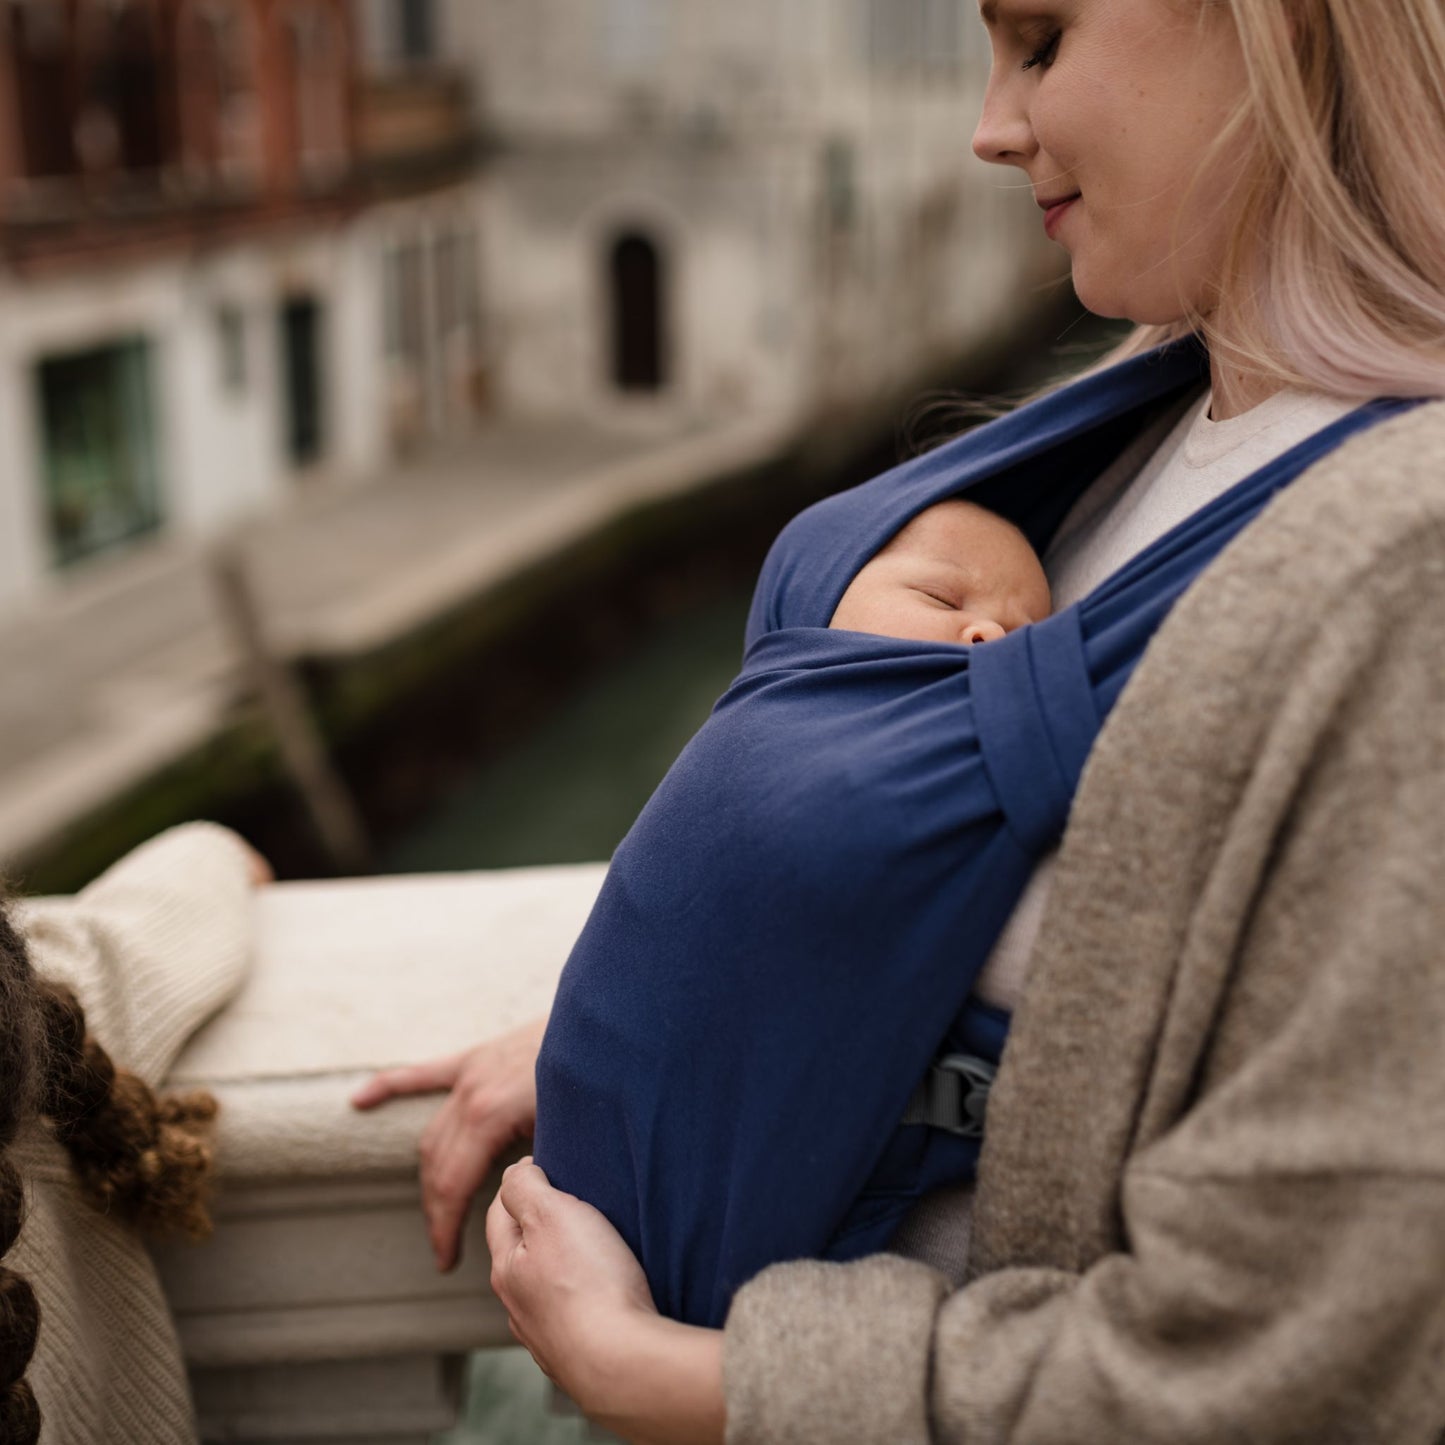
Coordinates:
[198,200]
[698,208]
[250,245]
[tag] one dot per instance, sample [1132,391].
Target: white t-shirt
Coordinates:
[1176,466]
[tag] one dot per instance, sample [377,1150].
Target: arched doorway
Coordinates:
[638,294]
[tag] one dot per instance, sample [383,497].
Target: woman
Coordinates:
[94,1159]
[1210,1203]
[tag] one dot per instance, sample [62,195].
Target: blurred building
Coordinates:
[237,252]
[699,207]
[249,244]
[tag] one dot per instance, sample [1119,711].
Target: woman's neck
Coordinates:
[1236,392]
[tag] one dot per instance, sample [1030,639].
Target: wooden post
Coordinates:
[334,814]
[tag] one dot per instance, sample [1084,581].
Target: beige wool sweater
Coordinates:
[1211,1204]
[153,947]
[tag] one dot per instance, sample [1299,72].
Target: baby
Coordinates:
[955,573]
[759,906]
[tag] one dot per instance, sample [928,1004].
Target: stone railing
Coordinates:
[315,1312]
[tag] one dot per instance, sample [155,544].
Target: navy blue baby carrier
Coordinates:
[792,929]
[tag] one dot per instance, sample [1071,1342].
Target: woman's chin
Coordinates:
[1117,300]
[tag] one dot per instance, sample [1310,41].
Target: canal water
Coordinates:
[569,791]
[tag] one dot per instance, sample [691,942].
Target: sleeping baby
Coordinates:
[955,573]
[753,922]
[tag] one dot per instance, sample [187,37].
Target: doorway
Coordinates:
[301,377]
[638,291]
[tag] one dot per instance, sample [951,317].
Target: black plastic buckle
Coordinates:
[953,1095]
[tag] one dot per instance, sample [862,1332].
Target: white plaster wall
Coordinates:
[221,464]
[723,132]
[24,556]
[727,307]
[543,287]
[359,439]
[52,318]
[221,453]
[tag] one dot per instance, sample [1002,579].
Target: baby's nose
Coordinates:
[983,629]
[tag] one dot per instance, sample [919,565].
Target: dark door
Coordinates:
[301,373]
[639,340]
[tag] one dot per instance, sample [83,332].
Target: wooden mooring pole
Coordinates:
[333,812]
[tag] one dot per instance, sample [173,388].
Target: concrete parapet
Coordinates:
[316,1312]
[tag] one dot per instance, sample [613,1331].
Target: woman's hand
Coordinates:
[578,1300]
[259,871]
[491,1105]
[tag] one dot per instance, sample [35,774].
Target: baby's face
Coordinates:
[955,573]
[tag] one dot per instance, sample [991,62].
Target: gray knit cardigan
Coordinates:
[1211,1207]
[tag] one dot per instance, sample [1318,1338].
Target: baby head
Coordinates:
[956,573]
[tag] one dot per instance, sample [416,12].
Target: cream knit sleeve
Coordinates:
[154,946]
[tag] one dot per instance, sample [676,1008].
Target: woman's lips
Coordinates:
[1055,214]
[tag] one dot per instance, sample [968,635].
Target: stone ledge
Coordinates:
[317,1305]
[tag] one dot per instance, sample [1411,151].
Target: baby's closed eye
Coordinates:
[937,594]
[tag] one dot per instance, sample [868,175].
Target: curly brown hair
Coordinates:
[138,1156]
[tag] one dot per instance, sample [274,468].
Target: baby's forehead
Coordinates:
[944,523]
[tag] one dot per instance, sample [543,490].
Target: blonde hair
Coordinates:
[1334,279]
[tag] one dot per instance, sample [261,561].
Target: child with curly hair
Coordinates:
[91,1158]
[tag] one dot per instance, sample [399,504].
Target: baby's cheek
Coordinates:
[854,608]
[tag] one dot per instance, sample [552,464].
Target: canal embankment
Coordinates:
[432,617]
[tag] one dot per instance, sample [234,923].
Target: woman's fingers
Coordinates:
[567,1280]
[524,1192]
[456,1157]
[428,1078]
[504,1234]
[492,1103]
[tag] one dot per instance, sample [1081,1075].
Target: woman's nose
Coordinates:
[1003,135]
[983,629]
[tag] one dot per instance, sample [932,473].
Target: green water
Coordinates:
[509,1402]
[571,790]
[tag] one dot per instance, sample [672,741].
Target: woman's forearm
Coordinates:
[661,1385]
[578,1300]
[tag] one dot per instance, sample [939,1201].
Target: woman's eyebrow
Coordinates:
[988,12]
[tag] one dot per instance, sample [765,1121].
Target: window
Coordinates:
[404,302]
[41,40]
[633,36]
[415,30]
[231,349]
[943,39]
[910,38]
[97,427]
[219,107]
[320,86]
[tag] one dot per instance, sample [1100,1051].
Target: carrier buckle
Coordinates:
[953,1095]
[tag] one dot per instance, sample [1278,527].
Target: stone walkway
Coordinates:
[126,665]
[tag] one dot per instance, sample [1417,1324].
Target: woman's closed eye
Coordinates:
[1044,55]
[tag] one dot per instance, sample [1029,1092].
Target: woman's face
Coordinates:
[1116,102]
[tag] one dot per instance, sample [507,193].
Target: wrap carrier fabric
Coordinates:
[792,928]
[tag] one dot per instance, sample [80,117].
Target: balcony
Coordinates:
[415,125]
